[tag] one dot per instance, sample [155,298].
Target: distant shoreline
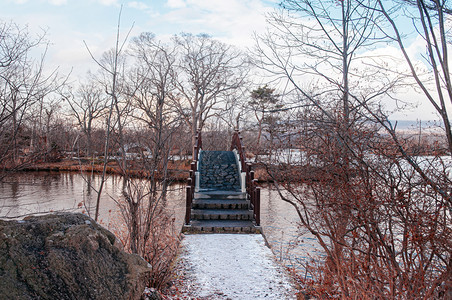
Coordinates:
[430,125]
[178,170]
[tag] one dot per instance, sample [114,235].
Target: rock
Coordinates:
[66,256]
[152,294]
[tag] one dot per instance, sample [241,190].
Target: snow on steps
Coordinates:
[219,206]
[221,212]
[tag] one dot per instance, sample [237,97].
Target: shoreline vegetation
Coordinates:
[178,170]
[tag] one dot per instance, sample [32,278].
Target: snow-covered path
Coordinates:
[233,266]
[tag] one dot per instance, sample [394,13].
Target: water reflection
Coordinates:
[15,190]
[292,245]
[40,192]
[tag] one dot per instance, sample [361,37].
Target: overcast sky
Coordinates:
[70,22]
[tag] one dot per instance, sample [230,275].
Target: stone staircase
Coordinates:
[219,205]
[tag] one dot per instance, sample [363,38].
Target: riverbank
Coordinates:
[178,169]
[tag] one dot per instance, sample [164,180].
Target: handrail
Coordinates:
[237,144]
[252,190]
[197,146]
[191,181]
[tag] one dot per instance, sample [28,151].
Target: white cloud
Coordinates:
[232,21]
[176,3]
[108,2]
[58,2]
[138,5]
[20,1]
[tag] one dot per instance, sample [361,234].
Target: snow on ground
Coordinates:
[233,266]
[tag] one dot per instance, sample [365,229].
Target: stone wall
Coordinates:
[219,171]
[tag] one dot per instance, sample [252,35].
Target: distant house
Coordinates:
[134,150]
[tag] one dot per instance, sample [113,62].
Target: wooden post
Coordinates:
[188,205]
[199,140]
[242,157]
[253,189]
[257,207]
[253,192]
[248,178]
[192,179]
[195,153]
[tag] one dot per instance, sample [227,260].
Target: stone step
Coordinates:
[221,214]
[215,194]
[221,226]
[220,204]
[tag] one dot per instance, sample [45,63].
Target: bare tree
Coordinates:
[111,68]
[430,20]
[374,209]
[23,83]
[87,105]
[139,116]
[208,72]
[149,88]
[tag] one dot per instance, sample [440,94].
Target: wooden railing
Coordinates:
[252,190]
[191,181]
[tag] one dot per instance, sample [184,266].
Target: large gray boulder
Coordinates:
[66,256]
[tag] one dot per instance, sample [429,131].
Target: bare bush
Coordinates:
[380,212]
[149,231]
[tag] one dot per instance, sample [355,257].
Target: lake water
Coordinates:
[22,194]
